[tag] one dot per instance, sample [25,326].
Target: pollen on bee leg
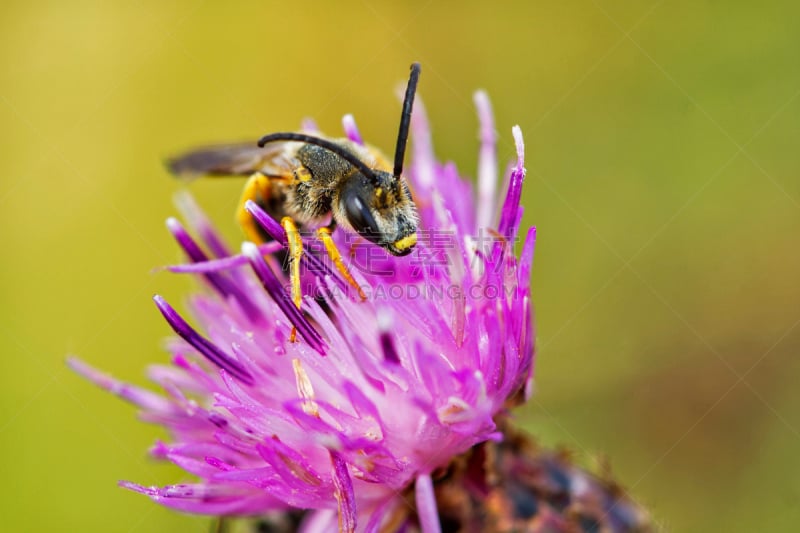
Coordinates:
[295,253]
[305,389]
[275,289]
[324,235]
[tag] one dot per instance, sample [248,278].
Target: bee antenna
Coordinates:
[405,120]
[322,143]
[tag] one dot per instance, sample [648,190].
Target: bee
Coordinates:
[304,179]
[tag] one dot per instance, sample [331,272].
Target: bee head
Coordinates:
[375,204]
[381,211]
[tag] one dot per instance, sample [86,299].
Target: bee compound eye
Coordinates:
[360,217]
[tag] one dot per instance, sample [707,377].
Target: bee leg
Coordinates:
[256,189]
[324,234]
[295,253]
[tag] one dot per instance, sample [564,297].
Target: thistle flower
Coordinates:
[375,397]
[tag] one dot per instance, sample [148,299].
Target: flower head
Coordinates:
[374,395]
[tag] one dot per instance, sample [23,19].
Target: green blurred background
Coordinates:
[663,159]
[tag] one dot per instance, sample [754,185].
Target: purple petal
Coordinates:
[378,515]
[363,406]
[280,297]
[221,283]
[208,499]
[426,505]
[510,211]
[344,494]
[351,130]
[143,398]
[269,224]
[199,221]
[225,263]
[526,259]
[487,163]
[423,160]
[384,320]
[309,125]
[201,344]
[321,521]
[288,462]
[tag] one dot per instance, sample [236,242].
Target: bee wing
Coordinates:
[229,160]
